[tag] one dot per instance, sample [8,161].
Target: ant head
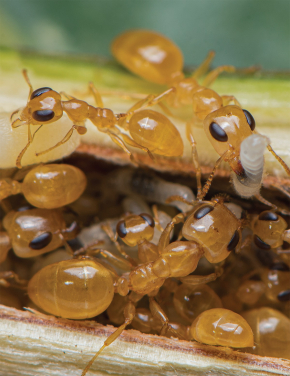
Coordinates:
[44,106]
[268,229]
[215,228]
[35,231]
[227,127]
[135,228]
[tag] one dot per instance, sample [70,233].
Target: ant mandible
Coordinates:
[151,131]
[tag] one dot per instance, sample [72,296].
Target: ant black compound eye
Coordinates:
[41,241]
[268,216]
[43,115]
[260,244]
[121,229]
[250,119]
[39,91]
[203,211]
[234,241]
[284,296]
[148,219]
[217,132]
[281,266]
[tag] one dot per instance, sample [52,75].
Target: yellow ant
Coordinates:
[151,131]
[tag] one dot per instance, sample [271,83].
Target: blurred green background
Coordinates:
[242,32]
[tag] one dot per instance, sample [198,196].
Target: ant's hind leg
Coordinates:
[194,280]
[204,66]
[150,101]
[97,96]
[131,142]
[159,314]
[26,78]
[190,138]
[212,76]
[118,141]
[129,313]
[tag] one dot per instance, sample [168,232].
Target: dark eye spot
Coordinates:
[284,296]
[43,115]
[260,244]
[218,133]
[255,277]
[201,212]
[41,241]
[234,241]
[281,266]
[121,229]
[268,216]
[39,91]
[250,119]
[148,219]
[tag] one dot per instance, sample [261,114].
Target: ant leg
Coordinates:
[265,202]
[279,159]
[17,122]
[117,140]
[190,138]
[122,95]
[149,101]
[177,198]
[159,314]
[204,66]
[193,280]
[129,313]
[230,98]
[209,180]
[212,76]
[108,230]
[20,283]
[98,99]
[67,96]
[131,142]
[165,236]
[268,203]
[156,218]
[26,78]
[79,128]
[30,139]
[280,188]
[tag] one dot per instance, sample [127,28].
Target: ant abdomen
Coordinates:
[75,289]
[147,129]
[219,326]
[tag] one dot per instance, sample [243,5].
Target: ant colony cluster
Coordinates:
[85,240]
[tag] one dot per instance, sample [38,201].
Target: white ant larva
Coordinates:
[252,160]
